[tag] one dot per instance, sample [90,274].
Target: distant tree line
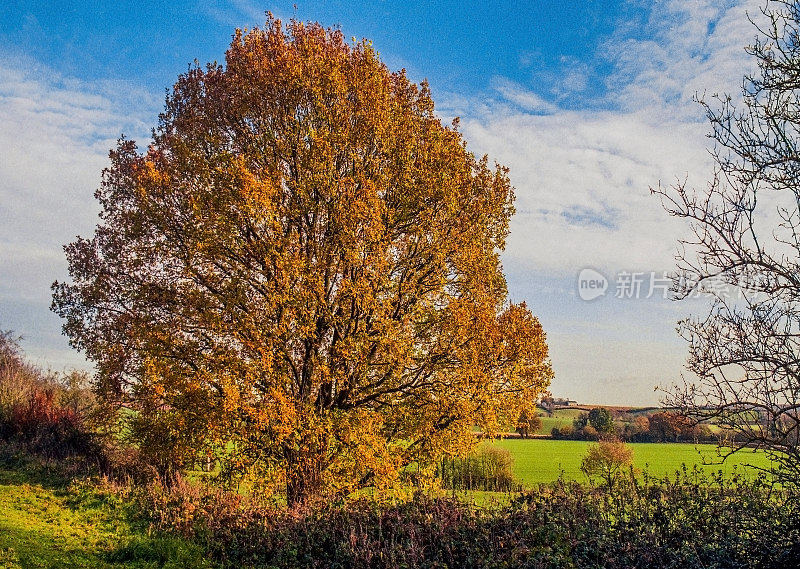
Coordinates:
[659,427]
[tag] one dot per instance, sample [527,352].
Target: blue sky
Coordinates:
[458,46]
[589,104]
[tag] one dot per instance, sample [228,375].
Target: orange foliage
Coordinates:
[301,275]
[607,460]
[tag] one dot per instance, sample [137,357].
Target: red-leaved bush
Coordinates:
[43,413]
[46,428]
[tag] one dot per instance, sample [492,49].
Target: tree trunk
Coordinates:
[303,476]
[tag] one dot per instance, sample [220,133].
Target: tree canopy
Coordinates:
[300,276]
[600,418]
[607,460]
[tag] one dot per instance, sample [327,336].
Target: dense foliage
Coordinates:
[301,277]
[684,523]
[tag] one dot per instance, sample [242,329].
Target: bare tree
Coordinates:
[745,253]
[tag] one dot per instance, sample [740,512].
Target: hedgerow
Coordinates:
[688,521]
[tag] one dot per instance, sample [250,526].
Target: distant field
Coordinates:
[543,460]
[559,418]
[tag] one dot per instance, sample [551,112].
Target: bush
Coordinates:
[46,428]
[488,468]
[607,461]
[565,432]
[687,522]
[42,413]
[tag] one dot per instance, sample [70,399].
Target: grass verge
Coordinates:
[49,522]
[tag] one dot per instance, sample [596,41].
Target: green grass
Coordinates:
[543,460]
[47,523]
[548,423]
[559,418]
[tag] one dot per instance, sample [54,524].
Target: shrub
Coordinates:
[689,521]
[607,461]
[566,432]
[43,413]
[488,468]
[46,428]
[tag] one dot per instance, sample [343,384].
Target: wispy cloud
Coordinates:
[238,13]
[692,48]
[55,137]
[583,179]
[526,100]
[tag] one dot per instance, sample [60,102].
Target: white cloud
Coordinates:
[583,177]
[55,137]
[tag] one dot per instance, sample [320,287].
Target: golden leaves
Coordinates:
[306,265]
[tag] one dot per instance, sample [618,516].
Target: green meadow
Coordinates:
[544,460]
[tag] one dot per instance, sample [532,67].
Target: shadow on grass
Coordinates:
[50,518]
[159,551]
[17,469]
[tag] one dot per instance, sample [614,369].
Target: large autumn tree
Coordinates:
[300,276]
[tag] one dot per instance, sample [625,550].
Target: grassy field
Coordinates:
[543,460]
[559,418]
[45,523]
